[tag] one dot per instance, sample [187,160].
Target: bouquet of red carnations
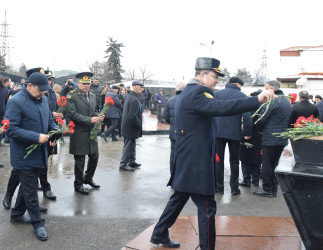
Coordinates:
[107,103]
[5,125]
[62,102]
[303,128]
[52,134]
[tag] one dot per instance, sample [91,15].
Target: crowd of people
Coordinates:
[203,121]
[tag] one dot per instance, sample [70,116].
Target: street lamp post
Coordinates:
[210,47]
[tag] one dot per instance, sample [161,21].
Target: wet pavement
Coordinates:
[126,204]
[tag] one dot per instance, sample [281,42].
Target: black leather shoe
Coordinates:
[104,137]
[236,192]
[1,165]
[263,193]
[20,220]
[6,202]
[134,164]
[125,168]
[115,139]
[43,209]
[40,233]
[92,184]
[165,242]
[81,190]
[50,195]
[244,184]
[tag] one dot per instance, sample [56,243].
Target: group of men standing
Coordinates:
[32,114]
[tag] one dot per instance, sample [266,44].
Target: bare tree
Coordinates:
[144,73]
[130,74]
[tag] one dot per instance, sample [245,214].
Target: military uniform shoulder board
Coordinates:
[68,96]
[91,91]
[208,95]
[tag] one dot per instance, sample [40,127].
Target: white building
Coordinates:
[301,67]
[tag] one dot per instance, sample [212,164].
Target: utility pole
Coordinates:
[4,43]
[264,65]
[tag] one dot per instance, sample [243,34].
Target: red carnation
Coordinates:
[217,159]
[60,121]
[6,123]
[72,124]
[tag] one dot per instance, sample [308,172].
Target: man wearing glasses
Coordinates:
[81,107]
[30,121]
[193,174]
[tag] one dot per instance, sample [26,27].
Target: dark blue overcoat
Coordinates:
[194,168]
[28,118]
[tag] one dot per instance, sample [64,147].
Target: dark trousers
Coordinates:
[270,158]
[42,175]
[172,155]
[12,183]
[79,168]
[27,198]
[206,205]
[234,148]
[251,172]
[104,123]
[128,151]
[112,128]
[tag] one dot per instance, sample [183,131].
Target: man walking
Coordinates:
[81,106]
[228,131]
[30,121]
[131,127]
[275,120]
[194,174]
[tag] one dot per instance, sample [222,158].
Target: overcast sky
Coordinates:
[163,35]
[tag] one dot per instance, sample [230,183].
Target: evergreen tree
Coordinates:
[245,76]
[224,79]
[3,65]
[113,68]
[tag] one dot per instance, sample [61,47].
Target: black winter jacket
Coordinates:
[275,120]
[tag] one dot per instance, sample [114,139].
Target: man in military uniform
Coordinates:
[81,106]
[193,174]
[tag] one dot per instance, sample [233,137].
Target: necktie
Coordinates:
[87,97]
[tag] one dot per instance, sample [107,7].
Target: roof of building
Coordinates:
[301,48]
[308,75]
[296,50]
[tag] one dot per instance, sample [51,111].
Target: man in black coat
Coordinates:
[194,165]
[169,116]
[131,127]
[95,87]
[275,120]
[228,131]
[251,156]
[303,108]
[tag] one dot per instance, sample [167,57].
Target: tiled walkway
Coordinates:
[233,232]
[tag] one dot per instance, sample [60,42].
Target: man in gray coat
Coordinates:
[131,127]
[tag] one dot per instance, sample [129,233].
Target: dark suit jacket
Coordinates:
[131,125]
[194,168]
[169,115]
[303,108]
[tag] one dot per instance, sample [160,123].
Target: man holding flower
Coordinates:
[81,107]
[30,122]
